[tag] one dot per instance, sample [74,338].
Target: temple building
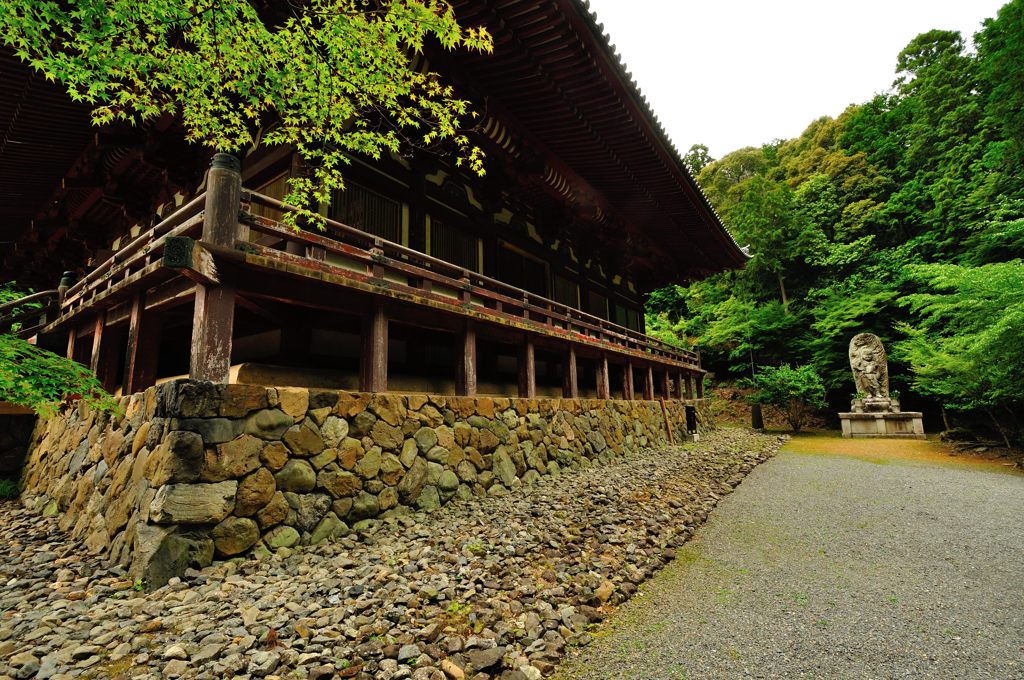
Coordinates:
[526,282]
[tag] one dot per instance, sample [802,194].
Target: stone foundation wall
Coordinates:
[190,471]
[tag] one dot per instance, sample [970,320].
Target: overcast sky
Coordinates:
[735,73]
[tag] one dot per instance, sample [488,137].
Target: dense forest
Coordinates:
[904,217]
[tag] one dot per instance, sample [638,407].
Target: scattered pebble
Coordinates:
[489,588]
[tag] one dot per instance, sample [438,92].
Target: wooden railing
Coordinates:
[348,250]
[136,261]
[25,316]
[376,257]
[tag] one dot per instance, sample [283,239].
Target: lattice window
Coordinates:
[455,245]
[565,290]
[597,304]
[364,209]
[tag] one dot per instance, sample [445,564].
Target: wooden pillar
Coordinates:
[465,370]
[527,370]
[97,342]
[143,351]
[72,337]
[680,389]
[570,387]
[649,384]
[699,379]
[666,385]
[627,381]
[374,362]
[213,321]
[689,386]
[603,391]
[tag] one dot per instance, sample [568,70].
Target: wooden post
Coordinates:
[603,391]
[527,370]
[374,363]
[72,336]
[689,386]
[666,385]
[213,320]
[143,352]
[680,389]
[570,388]
[649,384]
[627,381]
[699,379]
[97,342]
[465,370]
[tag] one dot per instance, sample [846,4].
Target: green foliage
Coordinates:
[903,216]
[35,378]
[796,390]
[330,77]
[965,347]
[8,489]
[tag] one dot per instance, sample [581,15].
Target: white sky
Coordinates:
[735,73]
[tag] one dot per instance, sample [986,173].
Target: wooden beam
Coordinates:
[191,259]
[689,385]
[527,370]
[570,385]
[680,389]
[603,391]
[627,381]
[699,379]
[465,369]
[649,384]
[666,384]
[373,365]
[143,351]
[72,337]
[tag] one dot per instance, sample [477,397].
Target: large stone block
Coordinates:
[254,492]
[297,475]
[193,503]
[270,423]
[235,535]
[160,553]
[233,459]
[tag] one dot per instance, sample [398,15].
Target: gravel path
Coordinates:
[825,566]
[494,588]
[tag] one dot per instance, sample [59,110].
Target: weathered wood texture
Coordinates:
[465,374]
[373,369]
[603,389]
[570,383]
[527,370]
[143,349]
[627,380]
[213,319]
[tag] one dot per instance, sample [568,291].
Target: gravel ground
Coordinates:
[824,566]
[494,588]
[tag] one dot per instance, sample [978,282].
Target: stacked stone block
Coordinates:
[192,471]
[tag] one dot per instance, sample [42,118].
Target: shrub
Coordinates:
[8,489]
[795,390]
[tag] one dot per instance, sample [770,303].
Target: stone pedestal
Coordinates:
[903,425]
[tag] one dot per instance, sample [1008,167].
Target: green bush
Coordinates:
[795,390]
[8,489]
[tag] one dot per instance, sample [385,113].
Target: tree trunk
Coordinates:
[782,292]
[995,421]
[945,419]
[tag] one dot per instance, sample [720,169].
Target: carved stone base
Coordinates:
[904,425]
